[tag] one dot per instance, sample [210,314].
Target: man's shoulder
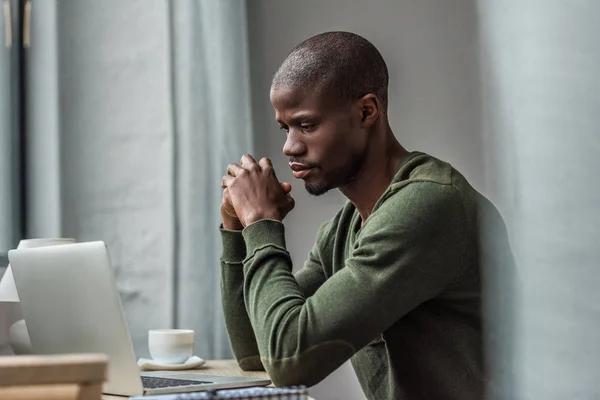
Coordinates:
[419,166]
[418,199]
[422,184]
[432,174]
[425,186]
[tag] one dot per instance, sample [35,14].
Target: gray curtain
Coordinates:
[10,228]
[10,168]
[211,86]
[134,110]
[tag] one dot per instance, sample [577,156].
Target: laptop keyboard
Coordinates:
[152,382]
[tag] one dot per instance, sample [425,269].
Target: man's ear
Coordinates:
[369,108]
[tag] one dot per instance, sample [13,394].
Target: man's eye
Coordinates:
[284,128]
[307,127]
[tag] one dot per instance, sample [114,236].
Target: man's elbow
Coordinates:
[251,363]
[289,374]
[308,367]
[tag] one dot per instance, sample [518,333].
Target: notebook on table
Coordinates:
[292,393]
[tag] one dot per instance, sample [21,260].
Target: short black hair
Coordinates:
[340,63]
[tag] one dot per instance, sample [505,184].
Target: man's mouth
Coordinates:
[300,171]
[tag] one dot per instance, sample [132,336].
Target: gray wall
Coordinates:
[542,98]
[431,50]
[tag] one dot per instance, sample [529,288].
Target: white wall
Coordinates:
[431,50]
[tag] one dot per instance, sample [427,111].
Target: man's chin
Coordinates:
[316,189]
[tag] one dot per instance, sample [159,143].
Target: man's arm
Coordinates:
[405,253]
[239,329]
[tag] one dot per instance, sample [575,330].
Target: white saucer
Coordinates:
[147,364]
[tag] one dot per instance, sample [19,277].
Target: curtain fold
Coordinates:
[43,204]
[10,149]
[212,127]
[10,153]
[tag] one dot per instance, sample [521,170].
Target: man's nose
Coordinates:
[293,147]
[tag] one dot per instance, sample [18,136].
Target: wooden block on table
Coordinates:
[71,376]
[45,392]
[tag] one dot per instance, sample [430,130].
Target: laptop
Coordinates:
[70,303]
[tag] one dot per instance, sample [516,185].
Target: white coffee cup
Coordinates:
[171,346]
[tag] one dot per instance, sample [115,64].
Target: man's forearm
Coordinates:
[239,329]
[275,302]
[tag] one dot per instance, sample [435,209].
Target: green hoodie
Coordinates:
[399,295]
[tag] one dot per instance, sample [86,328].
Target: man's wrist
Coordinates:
[232,225]
[234,246]
[258,216]
[264,232]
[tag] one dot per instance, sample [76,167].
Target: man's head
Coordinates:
[328,94]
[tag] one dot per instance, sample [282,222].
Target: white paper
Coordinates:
[8,290]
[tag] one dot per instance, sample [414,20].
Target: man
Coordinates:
[393,280]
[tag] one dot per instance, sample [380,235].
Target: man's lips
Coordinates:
[300,171]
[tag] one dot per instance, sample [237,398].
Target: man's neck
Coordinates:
[376,175]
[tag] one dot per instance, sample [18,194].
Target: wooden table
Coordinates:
[215,367]
[53,383]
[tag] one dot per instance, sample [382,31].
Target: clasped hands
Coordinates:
[251,192]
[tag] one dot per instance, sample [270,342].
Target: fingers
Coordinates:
[226,181]
[248,162]
[265,163]
[289,205]
[267,166]
[286,187]
[226,198]
[228,214]
[234,169]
